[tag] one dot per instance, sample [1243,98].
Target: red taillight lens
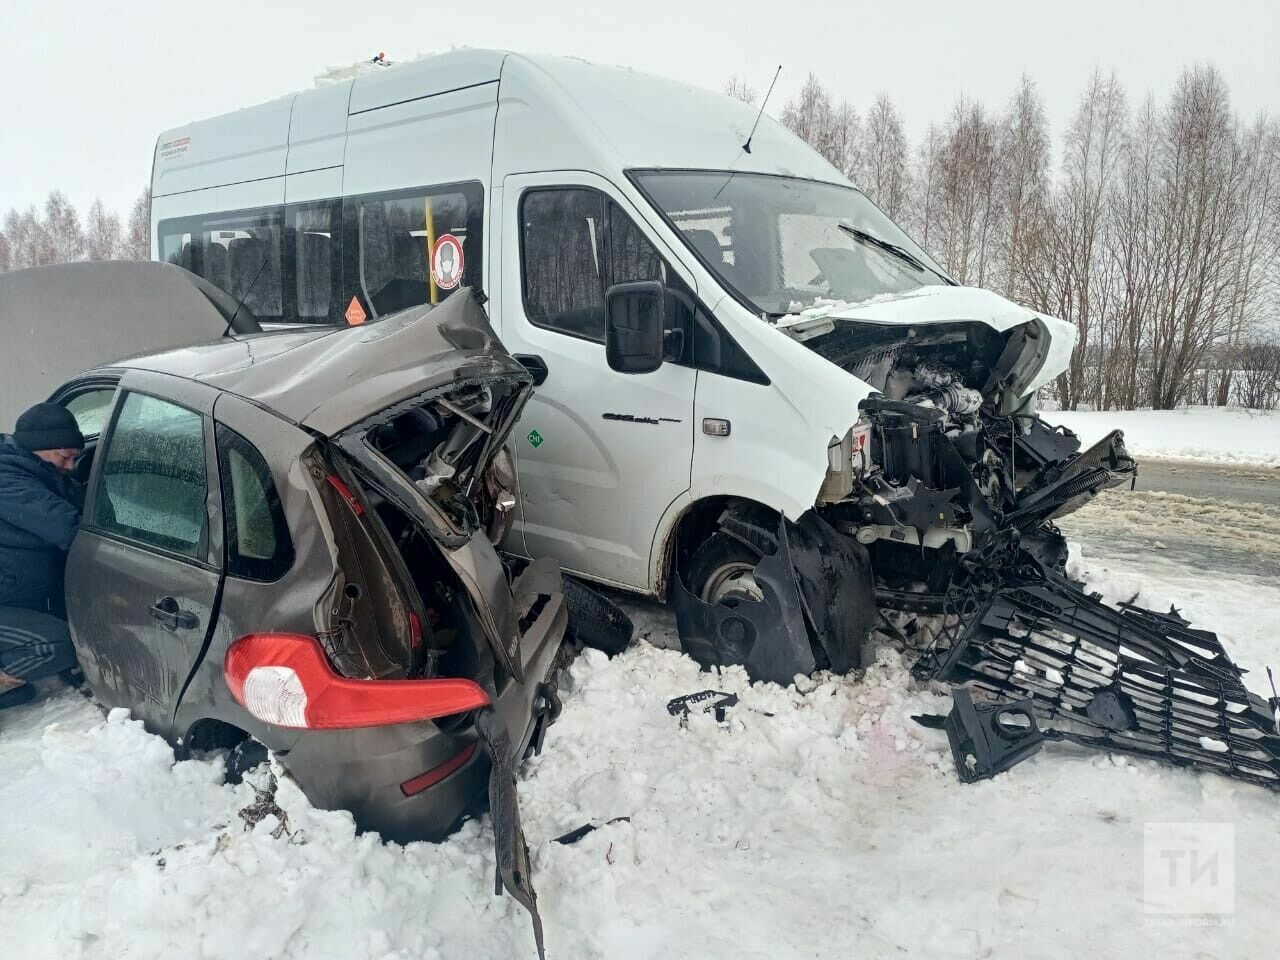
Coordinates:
[285,679]
[429,779]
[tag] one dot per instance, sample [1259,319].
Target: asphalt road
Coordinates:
[1218,519]
[1232,484]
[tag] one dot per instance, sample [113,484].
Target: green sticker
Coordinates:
[535,439]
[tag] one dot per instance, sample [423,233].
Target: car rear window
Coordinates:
[152,486]
[258,542]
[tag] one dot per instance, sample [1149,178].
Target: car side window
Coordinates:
[257,535]
[152,485]
[91,409]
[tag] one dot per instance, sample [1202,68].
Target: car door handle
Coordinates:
[167,611]
[535,365]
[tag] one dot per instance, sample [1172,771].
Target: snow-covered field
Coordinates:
[1215,434]
[818,821]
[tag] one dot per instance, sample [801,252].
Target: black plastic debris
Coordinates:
[573,836]
[705,701]
[987,739]
[1129,680]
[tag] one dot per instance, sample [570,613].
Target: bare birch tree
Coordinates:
[102,238]
[884,171]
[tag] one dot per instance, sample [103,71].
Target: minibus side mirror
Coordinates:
[635,328]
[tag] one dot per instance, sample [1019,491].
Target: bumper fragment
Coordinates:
[1124,679]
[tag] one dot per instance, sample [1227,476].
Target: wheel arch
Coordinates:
[210,733]
[684,528]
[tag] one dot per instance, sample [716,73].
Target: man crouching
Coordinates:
[40,506]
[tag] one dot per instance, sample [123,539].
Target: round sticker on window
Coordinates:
[446,261]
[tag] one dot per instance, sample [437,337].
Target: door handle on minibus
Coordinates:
[535,365]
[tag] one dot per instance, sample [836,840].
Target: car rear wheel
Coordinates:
[245,756]
[596,621]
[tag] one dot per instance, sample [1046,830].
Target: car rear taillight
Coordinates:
[285,679]
[433,776]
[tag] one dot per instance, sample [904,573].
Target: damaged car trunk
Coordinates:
[940,502]
[433,471]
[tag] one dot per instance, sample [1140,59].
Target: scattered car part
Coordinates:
[709,701]
[987,739]
[573,836]
[1129,680]
[512,870]
[595,620]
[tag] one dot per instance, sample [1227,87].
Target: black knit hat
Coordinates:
[48,426]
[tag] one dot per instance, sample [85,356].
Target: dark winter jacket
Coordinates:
[39,516]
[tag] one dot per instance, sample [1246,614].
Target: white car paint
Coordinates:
[603,496]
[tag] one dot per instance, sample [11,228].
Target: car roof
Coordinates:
[329,378]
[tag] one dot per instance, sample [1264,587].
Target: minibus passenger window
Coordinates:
[396,235]
[313,255]
[239,252]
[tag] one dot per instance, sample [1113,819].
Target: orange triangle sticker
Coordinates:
[355,313]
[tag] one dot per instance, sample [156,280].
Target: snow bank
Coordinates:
[817,821]
[1215,434]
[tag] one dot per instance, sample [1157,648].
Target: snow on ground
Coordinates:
[1216,434]
[818,821]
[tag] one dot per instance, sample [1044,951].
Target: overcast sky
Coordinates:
[87,86]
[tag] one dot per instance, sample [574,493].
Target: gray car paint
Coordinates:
[176,683]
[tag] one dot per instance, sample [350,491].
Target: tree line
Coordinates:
[56,233]
[1153,226]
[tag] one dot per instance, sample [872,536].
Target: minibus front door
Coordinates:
[601,455]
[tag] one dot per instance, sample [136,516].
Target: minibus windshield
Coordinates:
[780,244]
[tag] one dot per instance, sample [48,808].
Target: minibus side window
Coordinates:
[241,252]
[316,247]
[575,243]
[562,247]
[394,235]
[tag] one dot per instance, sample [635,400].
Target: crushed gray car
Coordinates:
[288,540]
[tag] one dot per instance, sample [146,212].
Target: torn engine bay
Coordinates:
[940,503]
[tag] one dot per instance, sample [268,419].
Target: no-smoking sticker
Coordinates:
[447,261]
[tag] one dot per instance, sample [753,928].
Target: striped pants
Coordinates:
[33,644]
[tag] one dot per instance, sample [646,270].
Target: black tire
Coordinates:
[245,756]
[596,621]
[719,569]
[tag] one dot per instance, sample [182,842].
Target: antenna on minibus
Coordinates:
[232,322]
[746,147]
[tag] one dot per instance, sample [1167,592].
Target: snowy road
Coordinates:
[817,822]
